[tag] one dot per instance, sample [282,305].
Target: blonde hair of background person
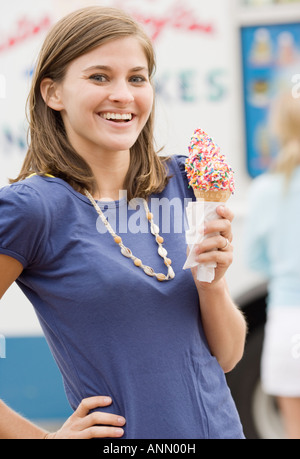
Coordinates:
[285,124]
[87,286]
[272,233]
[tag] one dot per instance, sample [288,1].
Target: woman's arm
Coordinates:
[223,322]
[10,270]
[224,325]
[13,426]
[82,424]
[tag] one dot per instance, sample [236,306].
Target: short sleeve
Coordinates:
[180,162]
[23,223]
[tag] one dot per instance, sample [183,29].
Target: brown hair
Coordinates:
[49,148]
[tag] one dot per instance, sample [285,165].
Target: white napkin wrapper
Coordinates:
[198,213]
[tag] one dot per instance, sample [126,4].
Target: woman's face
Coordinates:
[105,98]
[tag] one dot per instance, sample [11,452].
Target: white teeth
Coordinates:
[116,116]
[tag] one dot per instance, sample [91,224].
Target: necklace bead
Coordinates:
[161,277]
[126,252]
[149,271]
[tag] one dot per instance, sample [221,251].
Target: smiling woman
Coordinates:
[142,351]
[62,59]
[92,106]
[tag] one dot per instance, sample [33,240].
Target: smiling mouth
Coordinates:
[117,117]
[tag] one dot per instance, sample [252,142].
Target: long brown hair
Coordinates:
[49,148]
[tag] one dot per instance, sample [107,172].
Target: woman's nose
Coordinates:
[121,92]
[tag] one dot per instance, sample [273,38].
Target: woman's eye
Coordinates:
[99,78]
[137,79]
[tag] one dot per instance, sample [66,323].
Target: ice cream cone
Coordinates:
[208,172]
[212,195]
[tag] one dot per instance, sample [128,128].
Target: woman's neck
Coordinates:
[110,172]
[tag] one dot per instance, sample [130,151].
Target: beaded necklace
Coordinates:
[126,252]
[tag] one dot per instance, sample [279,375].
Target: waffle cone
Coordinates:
[212,196]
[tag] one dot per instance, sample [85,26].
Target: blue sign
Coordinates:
[271,60]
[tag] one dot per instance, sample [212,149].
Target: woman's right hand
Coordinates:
[85,425]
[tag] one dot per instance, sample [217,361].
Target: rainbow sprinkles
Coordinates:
[206,166]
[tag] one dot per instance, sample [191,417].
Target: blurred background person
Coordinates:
[272,248]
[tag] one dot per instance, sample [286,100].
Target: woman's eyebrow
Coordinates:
[139,69]
[108,69]
[98,67]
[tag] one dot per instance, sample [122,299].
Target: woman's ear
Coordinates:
[51,94]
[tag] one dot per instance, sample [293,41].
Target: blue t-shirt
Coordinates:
[112,329]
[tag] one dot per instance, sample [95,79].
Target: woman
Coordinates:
[272,248]
[141,346]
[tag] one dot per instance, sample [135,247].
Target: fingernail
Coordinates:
[119,432]
[121,420]
[107,400]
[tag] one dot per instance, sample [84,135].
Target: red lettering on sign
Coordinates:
[177,17]
[25,28]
